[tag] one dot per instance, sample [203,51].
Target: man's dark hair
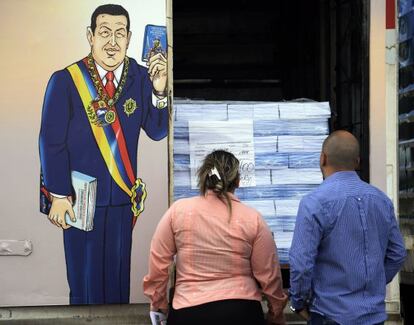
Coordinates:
[113,10]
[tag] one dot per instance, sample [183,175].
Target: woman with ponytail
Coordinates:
[225,255]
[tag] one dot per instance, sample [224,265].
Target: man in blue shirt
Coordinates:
[346,246]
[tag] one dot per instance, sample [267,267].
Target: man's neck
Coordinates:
[117,72]
[330,171]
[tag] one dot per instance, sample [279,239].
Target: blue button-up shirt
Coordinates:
[346,247]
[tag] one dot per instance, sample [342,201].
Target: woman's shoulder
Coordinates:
[186,201]
[247,210]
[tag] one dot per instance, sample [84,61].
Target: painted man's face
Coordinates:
[110,41]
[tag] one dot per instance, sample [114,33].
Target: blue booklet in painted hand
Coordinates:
[155,41]
[85,187]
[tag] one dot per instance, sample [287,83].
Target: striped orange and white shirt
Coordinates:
[217,257]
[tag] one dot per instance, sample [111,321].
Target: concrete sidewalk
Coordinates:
[136,314]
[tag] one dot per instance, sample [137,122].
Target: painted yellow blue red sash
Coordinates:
[111,142]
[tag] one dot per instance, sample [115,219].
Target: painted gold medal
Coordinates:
[130,106]
[109,117]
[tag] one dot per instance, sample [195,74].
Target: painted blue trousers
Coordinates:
[98,262]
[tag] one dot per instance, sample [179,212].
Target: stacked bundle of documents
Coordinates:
[286,140]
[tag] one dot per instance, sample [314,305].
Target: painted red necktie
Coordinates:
[110,86]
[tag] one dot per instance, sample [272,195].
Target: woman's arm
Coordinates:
[161,256]
[266,270]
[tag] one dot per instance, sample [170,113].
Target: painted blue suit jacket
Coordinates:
[67,143]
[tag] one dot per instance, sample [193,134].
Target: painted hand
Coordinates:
[157,70]
[58,211]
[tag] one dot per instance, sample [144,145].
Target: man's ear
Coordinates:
[324,159]
[89,35]
[129,38]
[358,161]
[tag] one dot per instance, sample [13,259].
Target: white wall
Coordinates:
[383,117]
[377,111]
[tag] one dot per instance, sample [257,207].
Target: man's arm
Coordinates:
[54,156]
[157,69]
[396,253]
[156,114]
[303,252]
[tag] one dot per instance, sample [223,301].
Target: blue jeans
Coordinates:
[318,319]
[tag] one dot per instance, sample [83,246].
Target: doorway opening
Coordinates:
[274,50]
[271,50]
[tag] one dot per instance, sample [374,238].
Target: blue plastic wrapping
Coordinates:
[291,127]
[288,137]
[304,160]
[297,176]
[270,128]
[264,192]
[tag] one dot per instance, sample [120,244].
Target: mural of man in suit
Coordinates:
[92,115]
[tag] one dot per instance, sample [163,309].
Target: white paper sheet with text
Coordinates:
[233,136]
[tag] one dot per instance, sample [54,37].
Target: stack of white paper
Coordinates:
[287,140]
[294,111]
[291,176]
